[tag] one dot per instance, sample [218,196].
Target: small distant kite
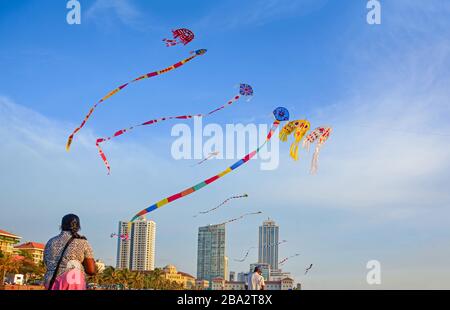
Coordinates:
[307,269]
[118,89]
[122,236]
[319,135]
[224,202]
[180,36]
[241,217]
[210,155]
[287,258]
[245,90]
[299,128]
[245,255]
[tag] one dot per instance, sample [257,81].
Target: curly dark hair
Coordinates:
[71,223]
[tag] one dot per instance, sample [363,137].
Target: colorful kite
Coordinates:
[122,237]
[142,77]
[240,217]
[245,90]
[224,202]
[308,269]
[206,182]
[287,258]
[319,135]
[180,36]
[281,114]
[299,128]
[210,155]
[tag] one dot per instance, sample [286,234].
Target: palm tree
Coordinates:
[8,263]
[137,280]
[110,276]
[125,278]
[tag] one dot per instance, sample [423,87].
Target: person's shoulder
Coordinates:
[83,242]
[51,240]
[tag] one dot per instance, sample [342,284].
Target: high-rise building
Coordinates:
[142,246]
[211,262]
[268,244]
[137,252]
[123,246]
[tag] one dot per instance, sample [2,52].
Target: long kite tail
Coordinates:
[223,203]
[206,182]
[154,121]
[118,89]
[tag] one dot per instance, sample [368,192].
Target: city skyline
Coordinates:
[381,191]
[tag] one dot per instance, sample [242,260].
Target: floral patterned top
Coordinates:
[76,253]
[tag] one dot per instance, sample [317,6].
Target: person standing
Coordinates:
[256,280]
[67,257]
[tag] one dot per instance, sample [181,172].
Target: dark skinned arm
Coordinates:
[89,266]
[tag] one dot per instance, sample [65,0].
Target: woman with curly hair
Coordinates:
[68,256]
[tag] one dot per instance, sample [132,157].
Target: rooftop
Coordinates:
[31,245]
[8,234]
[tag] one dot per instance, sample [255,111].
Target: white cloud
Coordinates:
[234,14]
[105,12]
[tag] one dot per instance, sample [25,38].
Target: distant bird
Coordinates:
[307,269]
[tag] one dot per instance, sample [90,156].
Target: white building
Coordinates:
[219,284]
[278,275]
[137,252]
[283,285]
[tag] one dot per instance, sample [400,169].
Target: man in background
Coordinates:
[256,280]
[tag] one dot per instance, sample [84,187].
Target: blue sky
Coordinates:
[382,188]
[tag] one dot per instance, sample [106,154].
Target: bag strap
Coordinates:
[55,273]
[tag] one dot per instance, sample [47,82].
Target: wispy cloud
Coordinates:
[106,14]
[234,14]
